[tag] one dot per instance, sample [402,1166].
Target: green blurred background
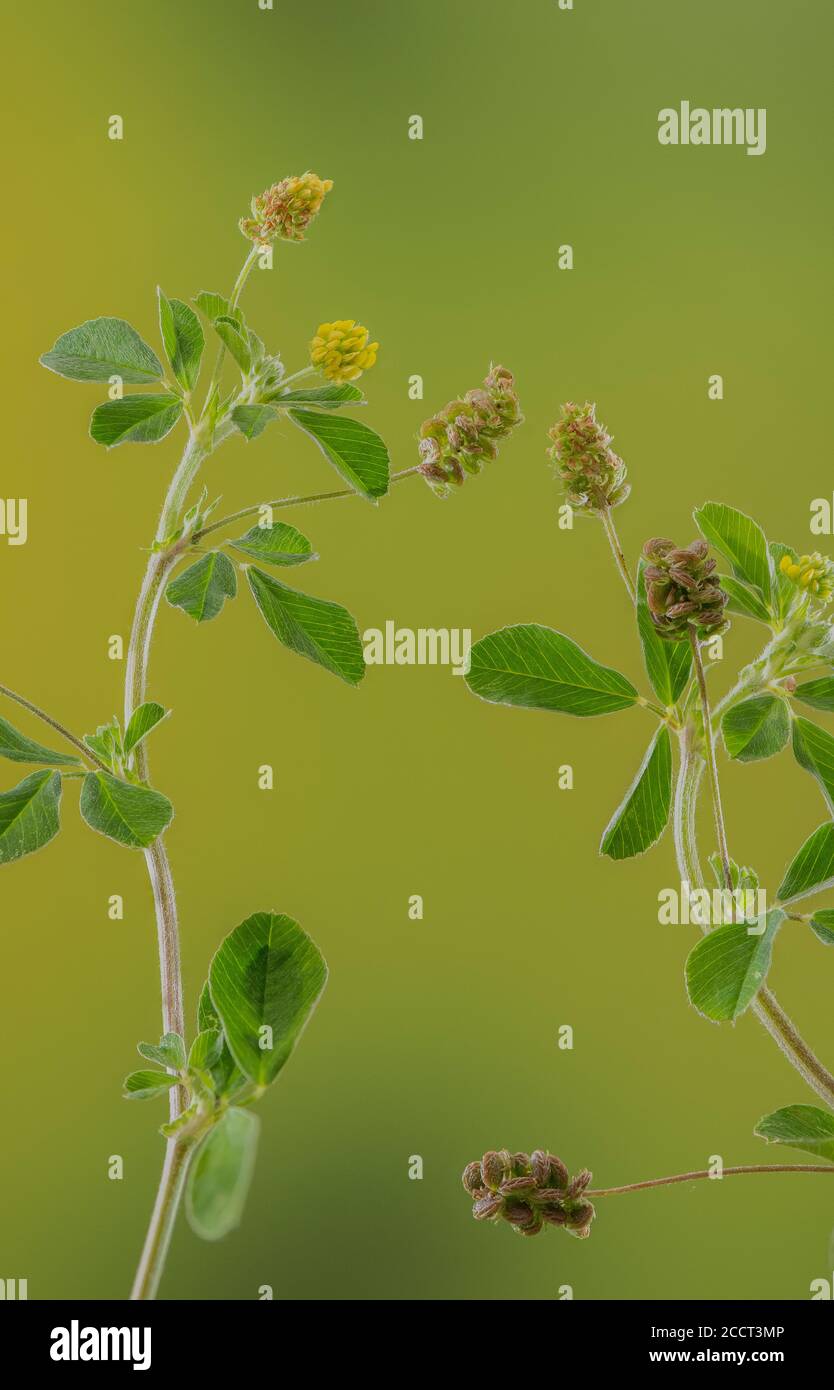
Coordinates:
[439,1037]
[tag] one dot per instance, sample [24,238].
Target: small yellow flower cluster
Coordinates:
[286,209]
[341,350]
[812,572]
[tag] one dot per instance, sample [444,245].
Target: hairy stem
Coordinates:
[766,1006]
[705,1173]
[712,766]
[292,502]
[53,724]
[174,1172]
[617,551]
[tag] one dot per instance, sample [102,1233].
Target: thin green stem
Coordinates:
[617,551]
[712,766]
[53,724]
[171,1184]
[766,1006]
[233,302]
[706,1173]
[283,502]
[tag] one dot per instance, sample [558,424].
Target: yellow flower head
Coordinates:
[286,209]
[814,573]
[341,350]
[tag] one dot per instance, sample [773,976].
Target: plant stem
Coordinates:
[233,301]
[712,766]
[155,1250]
[705,1173]
[617,552]
[292,502]
[765,1006]
[53,724]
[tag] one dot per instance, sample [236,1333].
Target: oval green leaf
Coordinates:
[743,600]
[819,694]
[822,925]
[101,348]
[325,397]
[535,667]
[265,981]
[813,749]
[812,868]
[202,589]
[278,544]
[321,631]
[252,420]
[233,337]
[220,1175]
[356,452]
[19,749]
[726,970]
[641,818]
[142,721]
[741,541]
[756,728]
[805,1127]
[29,815]
[135,419]
[183,338]
[130,815]
[145,1085]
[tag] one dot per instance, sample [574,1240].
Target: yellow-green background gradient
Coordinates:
[439,1037]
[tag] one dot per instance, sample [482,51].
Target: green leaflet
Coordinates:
[220,1175]
[813,749]
[101,348]
[743,600]
[168,1052]
[214,305]
[805,1127]
[727,968]
[183,339]
[812,868]
[822,925]
[784,590]
[756,728]
[205,1050]
[265,981]
[235,339]
[29,815]
[227,1078]
[325,397]
[135,419]
[668,664]
[252,420]
[355,451]
[278,544]
[536,667]
[742,877]
[819,693]
[323,632]
[142,721]
[19,749]
[741,540]
[641,818]
[202,589]
[131,815]
[146,1085]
